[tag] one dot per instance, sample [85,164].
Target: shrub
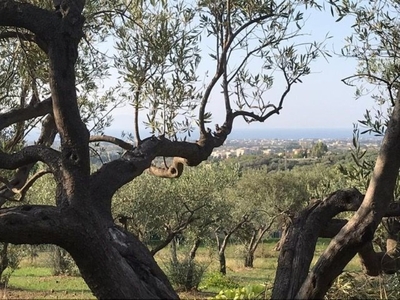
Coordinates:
[185,274]
[251,291]
[218,280]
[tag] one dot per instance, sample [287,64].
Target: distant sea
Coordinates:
[278,133]
[294,133]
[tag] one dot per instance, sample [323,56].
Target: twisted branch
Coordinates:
[22,191]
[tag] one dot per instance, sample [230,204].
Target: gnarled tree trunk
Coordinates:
[293,280]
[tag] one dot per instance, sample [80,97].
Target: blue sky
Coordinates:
[321,101]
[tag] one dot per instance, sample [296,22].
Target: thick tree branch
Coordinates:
[121,171]
[24,37]
[25,15]
[17,115]
[298,249]
[74,136]
[373,263]
[29,155]
[30,224]
[112,140]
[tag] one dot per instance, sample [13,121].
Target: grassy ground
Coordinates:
[33,280]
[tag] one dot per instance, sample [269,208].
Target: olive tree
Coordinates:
[157,56]
[267,199]
[375,44]
[153,207]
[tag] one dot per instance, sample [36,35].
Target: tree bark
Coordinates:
[222,245]
[293,280]
[254,242]
[121,267]
[3,259]
[221,252]
[190,272]
[174,253]
[250,249]
[249,259]
[298,248]
[222,262]
[113,262]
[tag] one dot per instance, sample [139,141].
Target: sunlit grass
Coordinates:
[34,280]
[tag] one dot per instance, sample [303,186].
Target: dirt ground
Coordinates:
[20,294]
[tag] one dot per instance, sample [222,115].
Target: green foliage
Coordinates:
[219,281]
[320,179]
[358,173]
[185,274]
[375,44]
[270,162]
[158,57]
[246,292]
[259,191]
[43,191]
[151,204]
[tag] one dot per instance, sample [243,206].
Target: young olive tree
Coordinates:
[269,198]
[375,44]
[157,51]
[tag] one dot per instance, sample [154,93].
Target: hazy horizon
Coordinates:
[276,133]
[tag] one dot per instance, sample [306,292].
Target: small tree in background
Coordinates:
[319,149]
[265,198]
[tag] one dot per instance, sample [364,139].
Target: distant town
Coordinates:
[295,149]
[290,148]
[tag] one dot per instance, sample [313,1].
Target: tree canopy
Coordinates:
[53,68]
